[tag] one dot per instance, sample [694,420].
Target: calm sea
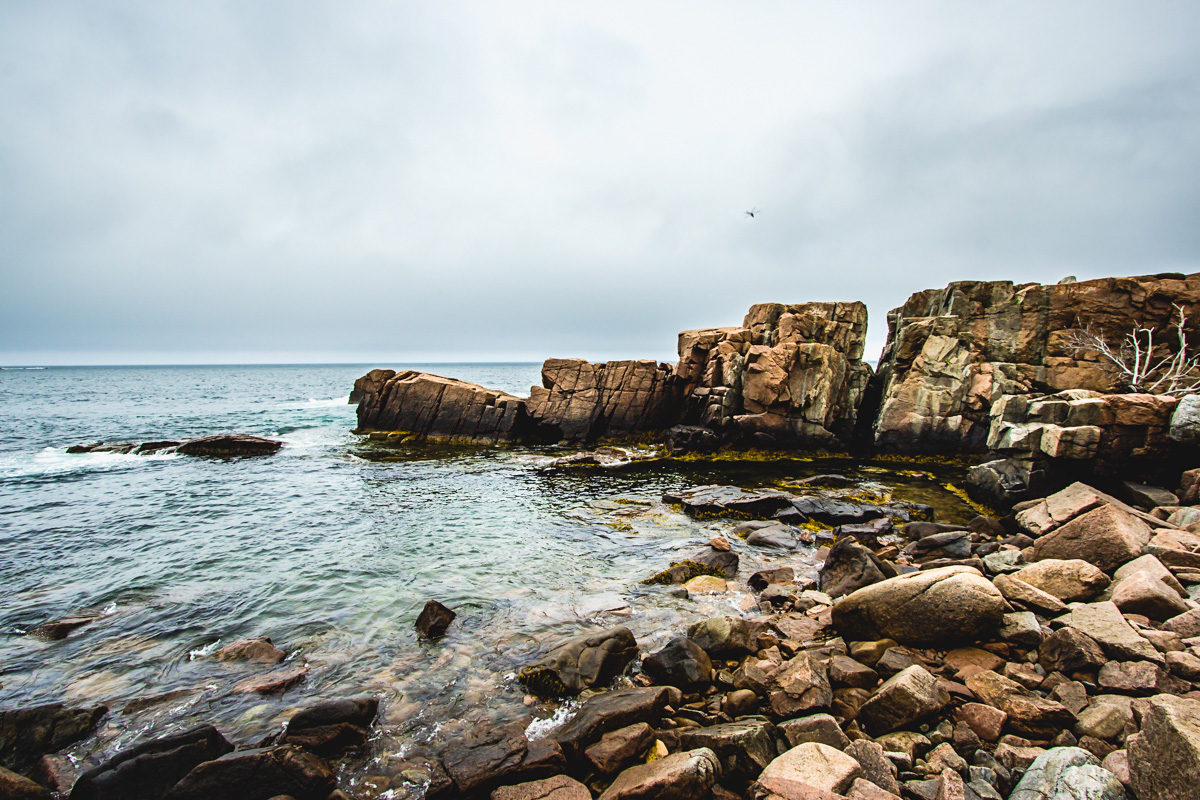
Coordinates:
[329,548]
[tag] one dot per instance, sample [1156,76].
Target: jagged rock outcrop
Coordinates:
[432,407]
[951,353]
[580,402]
[791,375]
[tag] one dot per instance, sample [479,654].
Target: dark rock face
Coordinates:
[258,775]
[26,734]
[581,663]
[432,407]
[501,756]
[434,619]
[581,402]
[681,663]
[608,712]
[333,726]
[729,501]
[849,566]
[951,352]
[792,375]
[148,771]
[229,445]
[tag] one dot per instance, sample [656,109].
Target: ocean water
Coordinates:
[329,547]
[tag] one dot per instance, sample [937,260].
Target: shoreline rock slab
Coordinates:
[581,662]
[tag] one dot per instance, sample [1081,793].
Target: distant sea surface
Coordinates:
[328,547]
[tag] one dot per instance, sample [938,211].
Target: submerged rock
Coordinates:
[333,726]
[26,734]
[259,650]
[607,712]
[581,663]
[147,771]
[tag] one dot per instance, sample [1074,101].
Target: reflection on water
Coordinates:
[330,548]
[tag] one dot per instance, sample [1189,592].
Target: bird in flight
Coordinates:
[752,213]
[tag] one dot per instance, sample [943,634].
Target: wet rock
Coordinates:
[908,696]
[743,748]
[259,650]
[821,728]
[725,635]
[559,787]
[607,712]
[333,726]
[18,787]
[686,774]
[272,682]
[682,439]
[778,536]
[729,501]
[1164,756]
[58,629]
[708,561]
[766,577]
[706,584]
[1069,650]
[257,775]
[147,771]
[617,748]
[807,770]
[581,663]
[937,606]
[58,773]
[720,543]
[1029,714]
[681,663]
[229,445]
[26,734]
[434,619]
[849,566]
[1106,536]
[500,756]
[1070,580]
[1104,623]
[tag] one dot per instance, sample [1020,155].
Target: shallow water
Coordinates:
[330,548]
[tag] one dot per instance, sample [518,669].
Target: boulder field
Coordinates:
[1052,654]
[977,367]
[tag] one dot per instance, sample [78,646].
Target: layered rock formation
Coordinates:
[432,407]
[951,353]
[791,375]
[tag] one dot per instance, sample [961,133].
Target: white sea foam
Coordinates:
[56,461]
[333,402]
[205,651]
[541,728]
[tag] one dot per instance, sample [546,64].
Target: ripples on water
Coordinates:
[328,553]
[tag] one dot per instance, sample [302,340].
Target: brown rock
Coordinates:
[743,748]
[617,748]
[26,734]
[906,697]
[259,650]
[1069,650]
[258,773]
[559,787]
[1028,714]
[1069,580]
[1104,623]
[1018,591]
[807,767]
[1186,624]
[432,407]
[1134,677]
[1106,536]
[18,787]
[686,774]
[229,445]
[581,662]
[986,721]
[272,682]
[875,765]
[820,728]
[1164,756]
[845,671]
[1142,593]
[434,619]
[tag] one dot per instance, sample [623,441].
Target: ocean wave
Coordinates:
[57,461]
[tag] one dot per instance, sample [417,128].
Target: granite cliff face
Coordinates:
[792,375]
[432,407]
[951,353]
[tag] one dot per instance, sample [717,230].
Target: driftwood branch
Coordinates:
[1133,359]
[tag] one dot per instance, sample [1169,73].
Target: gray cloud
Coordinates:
[403,181]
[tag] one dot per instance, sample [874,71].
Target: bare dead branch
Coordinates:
[1133,361]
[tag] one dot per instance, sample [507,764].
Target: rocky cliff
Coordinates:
[952,352]
[792,375]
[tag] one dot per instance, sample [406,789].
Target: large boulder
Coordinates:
[744,747]
[908,696]
[333,726]
[26,734]
[1104,623]
[432,407]
[501,755]
[938,606]
[1164,756]
[729,501]
[1067,773]
[688,774]
[1106,536]
[581,663]
[607,712]
[258,774]
[147,771]
[580,401]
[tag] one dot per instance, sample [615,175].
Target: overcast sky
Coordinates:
[353,181]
